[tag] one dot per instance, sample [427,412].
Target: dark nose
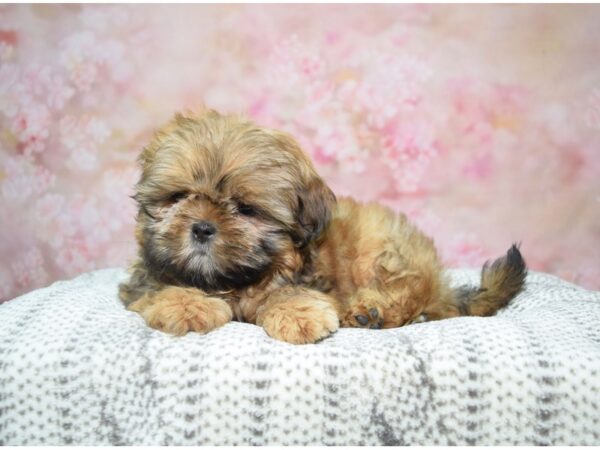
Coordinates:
[203,231]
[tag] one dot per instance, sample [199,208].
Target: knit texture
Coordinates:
[77,368]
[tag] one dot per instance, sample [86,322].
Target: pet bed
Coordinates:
[77,368]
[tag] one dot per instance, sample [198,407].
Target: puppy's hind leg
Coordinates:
[399,291]
[388,306]
[366,309]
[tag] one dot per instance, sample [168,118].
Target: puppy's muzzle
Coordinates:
[203,231]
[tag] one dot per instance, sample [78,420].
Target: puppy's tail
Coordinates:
[501,281]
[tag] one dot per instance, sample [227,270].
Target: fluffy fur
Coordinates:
[235,223]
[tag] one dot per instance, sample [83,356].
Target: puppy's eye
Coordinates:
[174,198]
[246,210]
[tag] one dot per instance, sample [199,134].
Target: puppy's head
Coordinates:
[224,203]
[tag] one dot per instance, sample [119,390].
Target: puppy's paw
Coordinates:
[178,310]
[366,310]
[299,320]
[421,318]
[363,316]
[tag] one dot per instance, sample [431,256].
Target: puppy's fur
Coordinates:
[235,223]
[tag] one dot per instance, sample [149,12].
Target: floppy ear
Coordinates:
[315,202]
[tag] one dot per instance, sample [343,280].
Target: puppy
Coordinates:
[234,223]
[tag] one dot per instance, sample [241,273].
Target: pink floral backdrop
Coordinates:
[482,123]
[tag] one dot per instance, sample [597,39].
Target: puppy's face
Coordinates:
[225,203]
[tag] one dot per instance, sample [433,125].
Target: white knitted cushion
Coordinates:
[77,368]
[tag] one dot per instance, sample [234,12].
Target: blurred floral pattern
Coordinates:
[482,123]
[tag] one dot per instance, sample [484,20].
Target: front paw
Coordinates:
[299,320]
[178,310]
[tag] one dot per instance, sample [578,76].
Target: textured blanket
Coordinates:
[77,368]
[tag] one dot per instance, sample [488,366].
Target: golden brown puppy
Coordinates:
[235,223]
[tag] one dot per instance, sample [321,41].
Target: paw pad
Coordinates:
[371,320]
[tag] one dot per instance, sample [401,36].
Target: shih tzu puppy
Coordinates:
[234,223]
